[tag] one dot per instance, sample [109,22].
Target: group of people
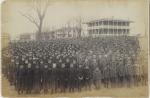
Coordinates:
[62,65]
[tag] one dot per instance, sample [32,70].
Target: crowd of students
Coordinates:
[62,65]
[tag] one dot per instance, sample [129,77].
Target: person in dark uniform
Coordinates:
[45,79]
[12,72]
[58,82]
[50,74]
[97,76]
[120,71]
[41,72]
[80,77]
[106,74]
[66,76]
[16,75]
[72,77]
[62,77]
[87,74]
[20,79]
[29,78]
[54,78]
[37,79]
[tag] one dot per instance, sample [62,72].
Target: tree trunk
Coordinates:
[39,35]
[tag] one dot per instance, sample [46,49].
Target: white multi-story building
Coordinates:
[108,27]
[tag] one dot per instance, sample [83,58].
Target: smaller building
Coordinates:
[67,32]
[27,37]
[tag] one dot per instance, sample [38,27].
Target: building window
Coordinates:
[119,31]
[128,31]
[104,22]
[127,23]
[110,23]
[100,23]
[105,31]
[119,23]
[96,23]
[124,31]
[100,31]
[123,23]
[110,31]
[115,23]
[96,31]
[115,31]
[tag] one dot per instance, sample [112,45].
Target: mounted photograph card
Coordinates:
[74,48]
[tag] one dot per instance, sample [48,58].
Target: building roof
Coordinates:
[66,29]
[109,19]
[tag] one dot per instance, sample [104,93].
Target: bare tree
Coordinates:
[39,7]
[79,26]
[68,28]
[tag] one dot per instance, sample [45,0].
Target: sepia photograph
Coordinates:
[74,48]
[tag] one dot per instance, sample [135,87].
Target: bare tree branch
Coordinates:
[30,18]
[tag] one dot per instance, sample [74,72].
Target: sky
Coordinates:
[61,12]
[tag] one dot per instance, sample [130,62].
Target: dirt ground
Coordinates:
[140,91]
